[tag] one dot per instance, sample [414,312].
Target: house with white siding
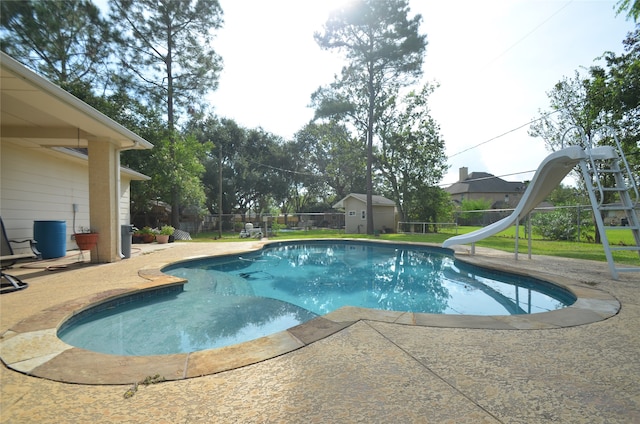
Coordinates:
[60,161]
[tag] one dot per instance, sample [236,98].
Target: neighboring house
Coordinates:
[481,185]
[355,211]
[56,152]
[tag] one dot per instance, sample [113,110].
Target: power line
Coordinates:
[503,134]
[530,32]
[323,175]
[284,170]
[479,144]
[502,54]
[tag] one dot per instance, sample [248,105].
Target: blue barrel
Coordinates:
[51,237]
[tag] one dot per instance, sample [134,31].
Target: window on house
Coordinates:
[506,198]
[352,213]
[363,214]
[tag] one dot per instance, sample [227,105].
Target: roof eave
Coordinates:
[41,83]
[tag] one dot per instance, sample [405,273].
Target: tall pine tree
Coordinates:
[167,45]
[384,51]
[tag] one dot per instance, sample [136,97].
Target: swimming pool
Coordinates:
[236,298]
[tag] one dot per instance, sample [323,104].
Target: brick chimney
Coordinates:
[464,173]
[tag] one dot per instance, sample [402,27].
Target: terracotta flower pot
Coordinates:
[86,241]
[162,238]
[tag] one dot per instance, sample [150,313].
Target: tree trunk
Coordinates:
[175,190]
[369,181]
[220,192]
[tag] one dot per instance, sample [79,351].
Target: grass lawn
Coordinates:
[502,241]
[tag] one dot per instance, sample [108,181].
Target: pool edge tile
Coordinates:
[226,358]
[605,307]
[461,321]
[25,351]
[354,313]
[85,367]
[317,329]
[569,317]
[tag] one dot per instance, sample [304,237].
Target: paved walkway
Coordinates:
[371,371]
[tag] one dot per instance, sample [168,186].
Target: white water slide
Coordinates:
[550,173]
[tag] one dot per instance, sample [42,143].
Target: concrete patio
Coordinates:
[560,369]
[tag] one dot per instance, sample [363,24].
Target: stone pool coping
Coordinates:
[33,348]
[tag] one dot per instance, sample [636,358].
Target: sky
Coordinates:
[494,61]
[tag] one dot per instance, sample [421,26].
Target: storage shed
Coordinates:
[355,213]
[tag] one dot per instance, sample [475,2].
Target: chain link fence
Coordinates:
[236,222]
[572,223]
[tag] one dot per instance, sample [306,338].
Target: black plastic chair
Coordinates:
[11,283]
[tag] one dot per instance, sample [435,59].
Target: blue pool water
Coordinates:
[236,298]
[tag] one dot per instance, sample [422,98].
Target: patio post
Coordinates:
[103,190]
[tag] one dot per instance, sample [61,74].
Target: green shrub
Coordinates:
[167,230]
[468,217]
[275,227]
[560,224]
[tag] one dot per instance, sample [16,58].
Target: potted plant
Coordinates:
[136,237]
[86,240]
[165,232]
[146,234]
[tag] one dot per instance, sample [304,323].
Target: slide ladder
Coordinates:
[613,191]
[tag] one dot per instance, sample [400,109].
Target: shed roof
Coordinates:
[376,200]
